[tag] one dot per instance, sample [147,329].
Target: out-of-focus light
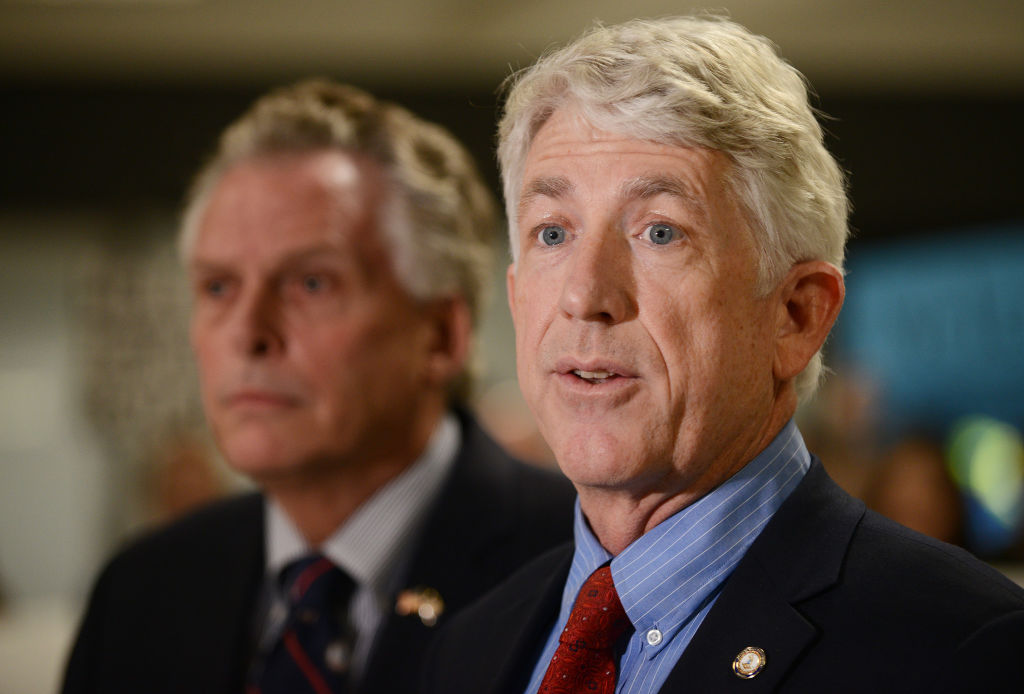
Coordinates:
[986,460]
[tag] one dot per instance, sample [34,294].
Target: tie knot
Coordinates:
[315,580]
[598,619]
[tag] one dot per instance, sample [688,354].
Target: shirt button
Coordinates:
[653,637]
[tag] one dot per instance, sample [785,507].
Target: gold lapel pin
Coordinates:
[749,663]
[425,603]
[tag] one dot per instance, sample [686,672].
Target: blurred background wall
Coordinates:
[108,106]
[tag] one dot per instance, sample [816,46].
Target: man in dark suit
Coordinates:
[678,231]
[338,248]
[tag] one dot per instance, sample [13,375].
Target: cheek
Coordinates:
[207,362]
[531,332]
[208,337]
[197,338]
[328,354]
[747,351]
[702,343]
[363,352]
[529,365]
[524,310]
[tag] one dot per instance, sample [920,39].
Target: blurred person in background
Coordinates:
[678,232]
[338,249]
[913,487]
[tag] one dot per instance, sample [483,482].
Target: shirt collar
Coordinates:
[375,538]
[664,577]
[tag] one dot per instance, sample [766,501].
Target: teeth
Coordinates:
[592,375]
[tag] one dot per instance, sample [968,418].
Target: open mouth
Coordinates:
[595,377]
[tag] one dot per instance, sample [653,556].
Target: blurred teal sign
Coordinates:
[939,322]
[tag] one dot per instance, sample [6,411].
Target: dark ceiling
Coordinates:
[113,103]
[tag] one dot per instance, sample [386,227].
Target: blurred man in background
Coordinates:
[338,249]
[678,231]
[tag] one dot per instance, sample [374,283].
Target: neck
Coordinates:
[619,516]
[321,498]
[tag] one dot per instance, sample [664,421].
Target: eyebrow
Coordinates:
[641,188]
[548,186]
[649,186]
[297,257]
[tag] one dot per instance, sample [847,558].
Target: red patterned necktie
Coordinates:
[585,658]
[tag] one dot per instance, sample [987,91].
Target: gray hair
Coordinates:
[698,82]
[442,219]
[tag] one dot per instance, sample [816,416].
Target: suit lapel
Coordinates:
[492,647]
[526,622]
[798,555]
[764,621]
[223,603]
[461,539]
[463,545]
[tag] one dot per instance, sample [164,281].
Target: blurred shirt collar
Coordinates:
[370,544]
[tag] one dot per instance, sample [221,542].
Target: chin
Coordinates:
[258,468]
[258,454]
[595,460]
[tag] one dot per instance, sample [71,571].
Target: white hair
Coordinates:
[698,82]
[442,218]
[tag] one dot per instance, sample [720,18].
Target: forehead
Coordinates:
[569,145]
[274,202]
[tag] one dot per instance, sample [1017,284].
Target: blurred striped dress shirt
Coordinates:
[371,546]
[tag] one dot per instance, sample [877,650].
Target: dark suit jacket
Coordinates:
[173,612]
[839,598]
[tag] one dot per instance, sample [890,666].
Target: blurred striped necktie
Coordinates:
[313,653]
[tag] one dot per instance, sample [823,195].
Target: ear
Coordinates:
[809,300]
[451,335]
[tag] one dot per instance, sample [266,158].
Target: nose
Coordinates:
[599,284]
[256,323]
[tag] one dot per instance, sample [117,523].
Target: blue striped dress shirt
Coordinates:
[668,578]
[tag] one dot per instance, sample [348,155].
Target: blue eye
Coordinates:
[215,288]
[552,235]
[661,234]
[313,283]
